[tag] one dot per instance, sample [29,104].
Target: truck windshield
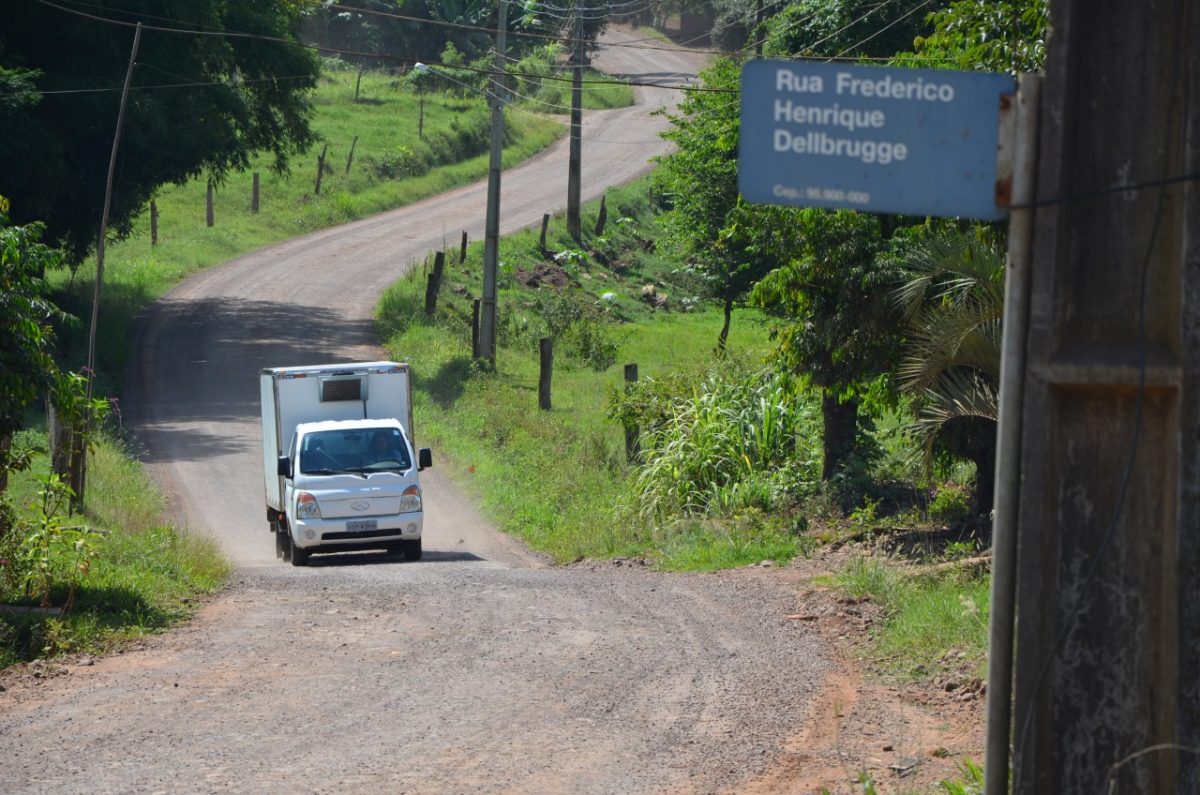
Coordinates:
[360,450]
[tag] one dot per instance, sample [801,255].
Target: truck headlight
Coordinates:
[410,500]
[306,506]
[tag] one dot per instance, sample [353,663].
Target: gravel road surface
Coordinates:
[478,669]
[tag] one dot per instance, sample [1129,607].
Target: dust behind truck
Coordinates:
[340,469]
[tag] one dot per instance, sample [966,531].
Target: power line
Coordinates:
[385,56]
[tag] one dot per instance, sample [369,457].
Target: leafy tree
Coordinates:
[852,28]
[27,368]
[837,327]
[953,302]
[723,237]
[244,96]
[991,35]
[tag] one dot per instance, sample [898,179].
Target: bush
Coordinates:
[731,444]
[951,504]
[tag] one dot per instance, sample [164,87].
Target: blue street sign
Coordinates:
[886,140]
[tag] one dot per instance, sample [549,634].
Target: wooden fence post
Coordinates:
[542,241]
[208,206]
[632,448]
[462,252]
[434,283]
[320,169]
[546,348]
[602,218]
[475,329]
[254,193]
[153,222]
[350,157]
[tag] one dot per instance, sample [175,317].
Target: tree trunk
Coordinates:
[723,339]
[841,426]
[985,480]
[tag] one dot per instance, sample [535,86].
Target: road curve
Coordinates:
[474,670]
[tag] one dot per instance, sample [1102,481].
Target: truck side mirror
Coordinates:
[424,459]
[284,467]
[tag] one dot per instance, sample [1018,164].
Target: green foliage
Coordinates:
[54,555]
[994,36]
[27,367]
[726,242]
[130,574]
[251,97]
[969,782]
[953,303]
[836,325]
[844,28]
[730,444]
[951,504]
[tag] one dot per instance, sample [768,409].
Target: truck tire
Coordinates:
[412,549]
[298,556]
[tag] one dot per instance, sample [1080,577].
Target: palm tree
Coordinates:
[952,306]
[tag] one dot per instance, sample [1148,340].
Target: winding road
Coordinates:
[478,669]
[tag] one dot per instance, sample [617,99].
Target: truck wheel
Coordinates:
[298,556]
[412,549]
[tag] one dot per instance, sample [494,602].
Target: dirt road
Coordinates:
[477,669]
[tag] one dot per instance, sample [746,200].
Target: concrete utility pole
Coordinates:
[491,240]
[1108,573]
[574,225]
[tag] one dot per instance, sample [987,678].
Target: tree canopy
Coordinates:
[200,103]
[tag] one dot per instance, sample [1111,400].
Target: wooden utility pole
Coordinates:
[79,449]
[1108,570]
[574,228]
[486,349]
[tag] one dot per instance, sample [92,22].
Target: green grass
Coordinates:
[927,617]
[145,576]
[392,167]
[559,479]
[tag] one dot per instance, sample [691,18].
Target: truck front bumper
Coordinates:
[333,533]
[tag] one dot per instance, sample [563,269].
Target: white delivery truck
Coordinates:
[338,459]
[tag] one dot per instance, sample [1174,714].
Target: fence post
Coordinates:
[254,193]
[434,283]
[546,348]
[632,448]
[462,252]
[320,169]
[475,329]
[545,223]
[153,222]
[350,157]
[208,206]
[602,218]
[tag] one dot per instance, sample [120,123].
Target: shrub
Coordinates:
[951,504]
[730,444]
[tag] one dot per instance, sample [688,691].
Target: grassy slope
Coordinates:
[145,576]
[385,120]
[559,479]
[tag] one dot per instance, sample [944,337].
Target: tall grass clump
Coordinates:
[732,444]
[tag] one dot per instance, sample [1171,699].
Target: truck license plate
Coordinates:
[361,525]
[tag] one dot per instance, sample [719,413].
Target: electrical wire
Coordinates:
[384,56]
